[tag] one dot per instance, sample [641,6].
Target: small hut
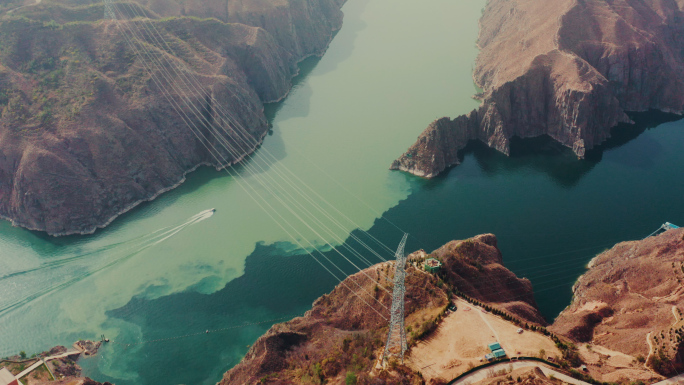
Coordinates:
[432,265]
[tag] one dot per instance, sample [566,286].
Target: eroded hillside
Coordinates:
[345,330]
[568,69]
[631,301]
[94,121]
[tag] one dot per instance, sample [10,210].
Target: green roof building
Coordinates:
[432,265]
[494,346]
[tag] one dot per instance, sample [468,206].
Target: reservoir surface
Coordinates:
[168,271]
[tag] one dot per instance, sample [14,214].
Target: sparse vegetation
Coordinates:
[350,379]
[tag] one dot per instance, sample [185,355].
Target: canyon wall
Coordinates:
[87,133]
[569,69]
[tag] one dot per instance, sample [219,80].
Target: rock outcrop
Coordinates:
[86,133]
[342,329]
[475,268]
[631,300]
[568,69]
[345,329]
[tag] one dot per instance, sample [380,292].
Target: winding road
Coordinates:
[484,373]
[24,6]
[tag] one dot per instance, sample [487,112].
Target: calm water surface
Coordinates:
[165,271]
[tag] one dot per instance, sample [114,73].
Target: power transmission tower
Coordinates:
[109,10]
[396,338]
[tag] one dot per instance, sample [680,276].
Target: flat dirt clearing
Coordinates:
[612,366]
[462,339]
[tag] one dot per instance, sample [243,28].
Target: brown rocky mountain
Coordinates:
[341,331]
[86,133]
[475,267]
[568,69]
[631,300]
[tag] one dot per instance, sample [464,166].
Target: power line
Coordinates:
[244,135]
[306,215]
[396,336]
[221,160]
[208,331]
[278,187]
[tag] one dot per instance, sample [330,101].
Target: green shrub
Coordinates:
[350,379]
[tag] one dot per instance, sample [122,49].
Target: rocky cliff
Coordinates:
[345,331]
[475,268]
[631,301]
[86,133]
[568,69]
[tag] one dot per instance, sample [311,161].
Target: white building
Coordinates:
[7,378]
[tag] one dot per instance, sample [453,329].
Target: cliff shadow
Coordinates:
[306,66]
[299,96]
[344,39]
[544,154]
[643,155]
[540,154]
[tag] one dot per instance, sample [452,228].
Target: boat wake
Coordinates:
[67,271]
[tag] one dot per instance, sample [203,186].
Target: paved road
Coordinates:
[484,373]
[65,354]
[30,368]
[42,361]
[23,6]
[677,380]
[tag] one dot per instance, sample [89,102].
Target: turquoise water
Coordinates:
[166,273]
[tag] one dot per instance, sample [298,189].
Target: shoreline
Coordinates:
[183,177]
[557,84]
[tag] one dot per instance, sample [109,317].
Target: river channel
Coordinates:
[161,275]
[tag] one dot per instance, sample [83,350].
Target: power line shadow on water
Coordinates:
[96,261]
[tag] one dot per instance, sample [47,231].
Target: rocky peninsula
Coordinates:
[85,131]
[569,69]
[341,335]
[625,322]
[631,300]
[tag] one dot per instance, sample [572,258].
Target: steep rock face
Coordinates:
[86,133]
[568,69]
[300,27]
[631,300]
[345,329]
[475,267]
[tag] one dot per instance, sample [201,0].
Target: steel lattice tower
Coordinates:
[109,10]
[396,337]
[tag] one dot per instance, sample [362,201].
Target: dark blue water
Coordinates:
[551,213]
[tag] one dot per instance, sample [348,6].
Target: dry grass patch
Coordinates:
[461,341]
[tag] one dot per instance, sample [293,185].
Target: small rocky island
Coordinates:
[625,323]
[86,133]
[569,69]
